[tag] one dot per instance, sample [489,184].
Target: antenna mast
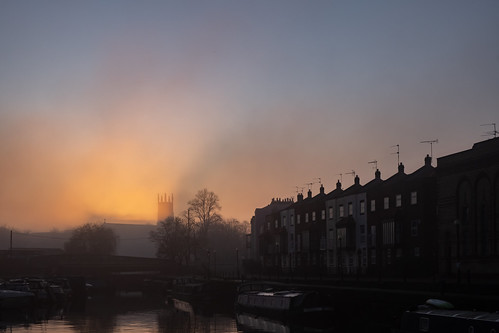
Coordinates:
[398,154]
[431,142]
[493,132]
[351,173]
[375,164]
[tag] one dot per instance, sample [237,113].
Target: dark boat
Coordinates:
[285,304]
[14,299]
[253,323]
[440,316]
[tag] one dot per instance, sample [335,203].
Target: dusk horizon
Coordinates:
[103,106]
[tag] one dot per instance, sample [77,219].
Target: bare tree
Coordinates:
[171,236]
[205,208]
[92,238]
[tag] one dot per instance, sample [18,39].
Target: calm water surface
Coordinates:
[118,314]
[141,314]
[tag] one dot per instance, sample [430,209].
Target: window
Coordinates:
[323,214]
[342,233]
[362,207]
[298,219]
[292,222]
[414,198]
[387,202]
[331,212]
[416,252]
[305,240]
[350,209]
[276,224]
[398,200]
[331,239]
[313,216]
[389,233]
[373,236]
[306,217]
[373,205]
[342,211]
[284,221]
[362,230]
[414,228]
[268,225]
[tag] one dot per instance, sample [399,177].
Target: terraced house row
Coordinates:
[441,220]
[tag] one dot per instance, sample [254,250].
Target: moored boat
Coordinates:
[13,299]
[440,316]
[285,304]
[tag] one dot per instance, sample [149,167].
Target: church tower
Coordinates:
[165,207]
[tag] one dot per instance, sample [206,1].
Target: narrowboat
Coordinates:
[440,316]
[285,304]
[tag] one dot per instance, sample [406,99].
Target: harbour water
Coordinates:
[116,314]
[133,313]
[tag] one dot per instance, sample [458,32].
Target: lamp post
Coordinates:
[237,263]
[188,236]
[340,268]
[209,263]
[215,263]
[458,250]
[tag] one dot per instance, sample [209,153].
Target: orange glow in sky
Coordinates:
[103,105]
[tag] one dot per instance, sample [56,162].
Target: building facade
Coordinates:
[437,220]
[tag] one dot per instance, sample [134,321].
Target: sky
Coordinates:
[105,104]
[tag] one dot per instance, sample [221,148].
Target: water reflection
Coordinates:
[143,314]
[118,314]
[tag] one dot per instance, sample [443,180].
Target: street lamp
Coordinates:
[340,268]
[209,263]
[237,263]
[457,223]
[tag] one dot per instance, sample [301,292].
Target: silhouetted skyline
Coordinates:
[105,104]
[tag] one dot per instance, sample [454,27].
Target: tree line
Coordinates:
[200,235]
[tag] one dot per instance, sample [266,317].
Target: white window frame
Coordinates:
[398,200]
[414,198]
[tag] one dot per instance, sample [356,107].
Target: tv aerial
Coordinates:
[491,133]
[398,154]
[351,173]
[375,164]
[431,142]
